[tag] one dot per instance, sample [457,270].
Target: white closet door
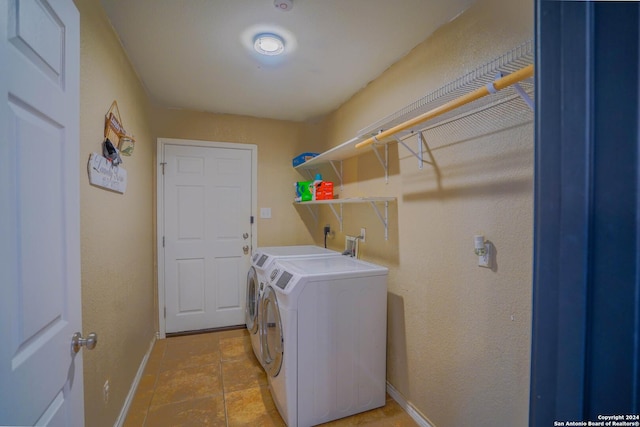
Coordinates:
[40,307]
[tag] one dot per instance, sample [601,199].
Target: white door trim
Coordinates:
[160,206]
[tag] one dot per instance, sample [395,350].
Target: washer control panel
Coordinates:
[284,279]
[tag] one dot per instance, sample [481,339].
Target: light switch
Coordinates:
[265,213]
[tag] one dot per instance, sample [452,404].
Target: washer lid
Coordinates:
[342,266]
[265,256]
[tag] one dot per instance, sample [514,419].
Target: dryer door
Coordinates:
[253,300]
[271,332]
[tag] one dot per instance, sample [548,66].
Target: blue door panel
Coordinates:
[586,299]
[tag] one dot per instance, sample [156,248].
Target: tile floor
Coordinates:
[214,379]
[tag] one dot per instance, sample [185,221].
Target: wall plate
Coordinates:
[485,260]
[265,213]
[351,245]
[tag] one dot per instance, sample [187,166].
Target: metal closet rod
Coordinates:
[499,84]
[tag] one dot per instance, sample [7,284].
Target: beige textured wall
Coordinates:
[278,142]
[116,230]
[458,334]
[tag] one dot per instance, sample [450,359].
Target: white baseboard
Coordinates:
[134,386]
[408,407]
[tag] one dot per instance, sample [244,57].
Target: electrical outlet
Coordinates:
[485,260]
[105,391]
[363,233]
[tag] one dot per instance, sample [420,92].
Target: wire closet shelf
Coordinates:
[502,107]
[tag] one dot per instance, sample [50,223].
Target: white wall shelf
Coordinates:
[336,155]
[372,201]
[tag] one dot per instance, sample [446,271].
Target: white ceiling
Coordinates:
[198,54]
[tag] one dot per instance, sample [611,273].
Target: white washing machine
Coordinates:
[323,331]
[261,261]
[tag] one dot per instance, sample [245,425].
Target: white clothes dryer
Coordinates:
[261,261]
[323,332]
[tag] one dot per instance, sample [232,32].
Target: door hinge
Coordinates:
[162,164]
[165,312]
[163,241]
[251,219]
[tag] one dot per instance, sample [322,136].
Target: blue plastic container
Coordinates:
[301,158]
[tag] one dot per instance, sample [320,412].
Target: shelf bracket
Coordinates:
[420,150]
[417,155]
[335,169]
[338,216]
[384,219]
[524,95]
[516,86]
[385,162]
[314,213]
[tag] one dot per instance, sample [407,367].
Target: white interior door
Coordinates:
[207,235]
[40,307]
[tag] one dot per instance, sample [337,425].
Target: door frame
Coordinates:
[161,143]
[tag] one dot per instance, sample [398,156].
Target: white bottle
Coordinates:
[316,183]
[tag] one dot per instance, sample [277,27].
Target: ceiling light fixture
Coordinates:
[268,44]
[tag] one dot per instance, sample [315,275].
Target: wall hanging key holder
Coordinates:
[105,170]
[115,132]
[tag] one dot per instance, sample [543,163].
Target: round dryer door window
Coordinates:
[253,299]
[271,333]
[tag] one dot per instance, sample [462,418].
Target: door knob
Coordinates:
[90,342]
[245,248]
[245,236]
